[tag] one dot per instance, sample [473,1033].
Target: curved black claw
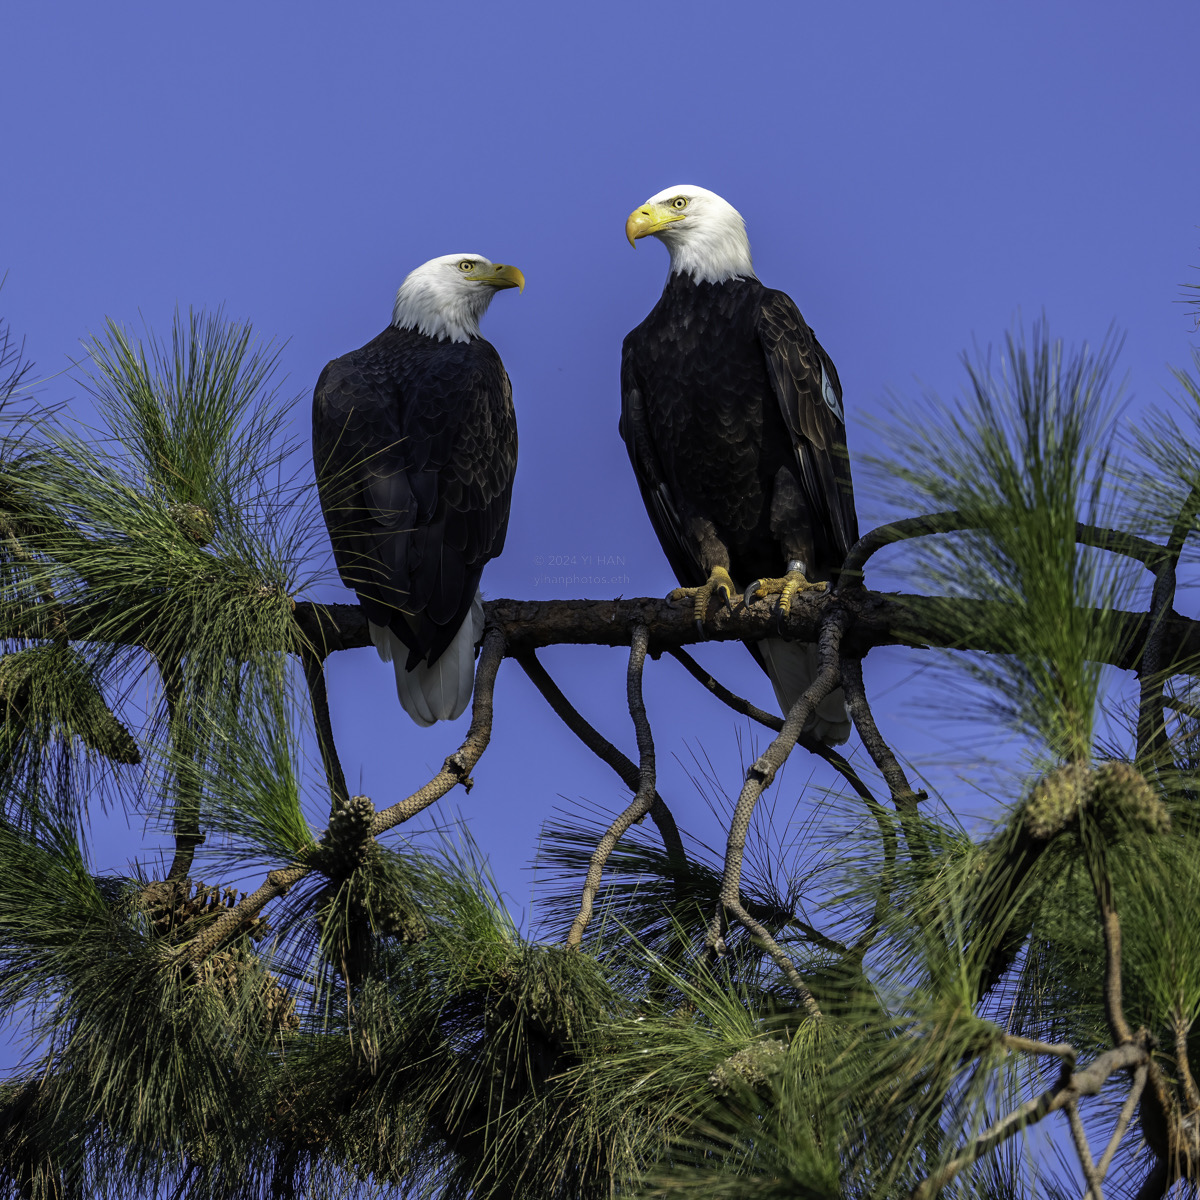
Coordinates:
[748,594]
[719,585]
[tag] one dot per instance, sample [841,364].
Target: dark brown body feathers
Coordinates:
[415,448]
[739,451]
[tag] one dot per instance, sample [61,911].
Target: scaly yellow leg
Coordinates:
[719,584]
[786,586]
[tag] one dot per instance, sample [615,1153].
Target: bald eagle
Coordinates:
[732,415]
[415,448]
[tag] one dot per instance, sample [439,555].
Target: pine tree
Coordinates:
[369,1019]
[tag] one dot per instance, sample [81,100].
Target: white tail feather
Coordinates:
[440,692]
[792,666]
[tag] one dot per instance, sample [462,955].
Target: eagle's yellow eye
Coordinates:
[679,202]
[466,265]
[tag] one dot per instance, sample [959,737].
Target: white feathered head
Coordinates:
[445,297]
[705,235]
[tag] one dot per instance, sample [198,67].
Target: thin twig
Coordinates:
[604,750]
[1070,1086]
[806,741]
[904,798]
[815,936]
[758,778]
[314,676]
[1149,554]
[1079,1136]
[1123,1119]
[641,802]
[722,693]
[1030,1046]
[1151,730]
[456,769]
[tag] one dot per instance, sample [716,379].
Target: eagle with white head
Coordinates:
[732,414]
[415,449]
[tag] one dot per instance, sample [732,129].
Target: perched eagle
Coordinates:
[732,415]
[415,448]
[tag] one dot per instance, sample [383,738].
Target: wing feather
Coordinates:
[415,446]
[661,506]
[809,393]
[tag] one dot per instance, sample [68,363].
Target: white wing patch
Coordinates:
[829,395]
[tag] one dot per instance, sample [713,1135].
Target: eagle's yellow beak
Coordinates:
[499,276]
[650,218]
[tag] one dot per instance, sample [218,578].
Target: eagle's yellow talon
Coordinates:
[719,584]
[785,586]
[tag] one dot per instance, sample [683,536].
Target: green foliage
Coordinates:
[1022,458]
[246,771]
[51,687]
[386,1028]
[1164,478]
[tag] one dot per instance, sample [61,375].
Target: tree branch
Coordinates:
[645,791]
[1123,1119]
[891,619]
[904,798]
[1149,554]
[1032,1046]
[1151,730]
[314,676]
[880,619]
[1071,1087]
[1110,923]
[1180,1027]
[828,754]
[604,750]
[277,883]
[1086,1162]
[758,778]
[457,769]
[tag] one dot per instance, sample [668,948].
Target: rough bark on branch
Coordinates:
[746,709]
[880,619]
[641,802]
[604,750]
[1079,1083]
[455,770]
[758,778]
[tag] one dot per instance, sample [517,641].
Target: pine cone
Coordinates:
[195,523]
[348,842]
[753,1067]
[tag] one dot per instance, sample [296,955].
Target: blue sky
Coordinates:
[917,176]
